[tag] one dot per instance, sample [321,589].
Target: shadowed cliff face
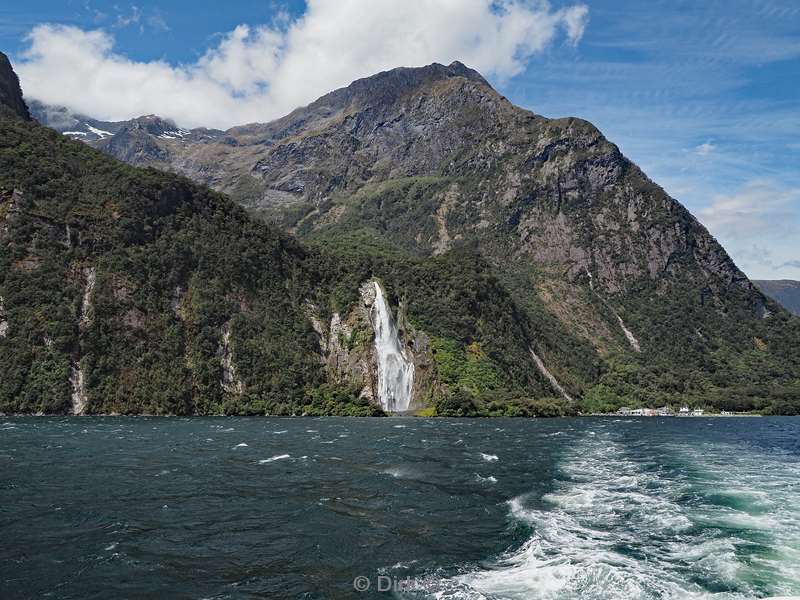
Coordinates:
[10,92]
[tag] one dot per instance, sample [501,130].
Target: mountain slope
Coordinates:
[126,290]
[624,296]
[785,291]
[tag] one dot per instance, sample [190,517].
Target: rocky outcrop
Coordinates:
[10,91]
[347,349]
[231,382]
[90,279]
[3,319]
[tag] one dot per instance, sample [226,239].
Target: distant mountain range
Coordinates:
[785,291]
[531,268]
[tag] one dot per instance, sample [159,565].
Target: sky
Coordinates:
[703,95]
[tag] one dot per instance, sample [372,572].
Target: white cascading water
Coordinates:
[395,370]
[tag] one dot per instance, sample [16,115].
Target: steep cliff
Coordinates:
[10,92]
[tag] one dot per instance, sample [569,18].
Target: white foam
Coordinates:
[489,479]
[489,457]
[242,445]
[616,526]
[274,458]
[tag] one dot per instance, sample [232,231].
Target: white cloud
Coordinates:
[704,149]
[575,20]
[260,73]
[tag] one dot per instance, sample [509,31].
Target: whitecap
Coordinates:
[489,479]
[489,457]
[242,445]
[274,458]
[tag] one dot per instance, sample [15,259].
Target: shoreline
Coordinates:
[396,416]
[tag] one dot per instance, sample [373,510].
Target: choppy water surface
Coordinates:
[299,508]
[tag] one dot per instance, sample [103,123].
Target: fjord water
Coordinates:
[115,507]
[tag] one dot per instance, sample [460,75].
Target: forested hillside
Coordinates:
[531,268]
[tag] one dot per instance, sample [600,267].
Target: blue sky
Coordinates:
[703,95]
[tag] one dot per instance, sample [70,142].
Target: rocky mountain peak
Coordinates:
[387,87]
[153,124]
[10,91]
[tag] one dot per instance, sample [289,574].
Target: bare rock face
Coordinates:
[347,349]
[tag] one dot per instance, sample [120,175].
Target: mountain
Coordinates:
[526,256]
[74,125]
[127,290]
[785,291]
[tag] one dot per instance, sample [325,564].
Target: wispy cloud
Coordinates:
[760,207]
[131,17]
[759,213]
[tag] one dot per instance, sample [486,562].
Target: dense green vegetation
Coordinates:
[733,362]
[174,263]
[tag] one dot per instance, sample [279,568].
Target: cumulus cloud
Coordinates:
[260,73]
[704,149]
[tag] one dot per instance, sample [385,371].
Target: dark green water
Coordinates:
[298,508]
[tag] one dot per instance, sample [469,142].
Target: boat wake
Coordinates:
[623,525]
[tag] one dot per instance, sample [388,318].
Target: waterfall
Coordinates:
[395,370]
